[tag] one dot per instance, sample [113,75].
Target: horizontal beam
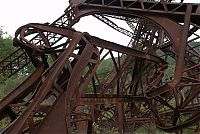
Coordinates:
[110,99]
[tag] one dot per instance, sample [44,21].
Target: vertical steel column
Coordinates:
[183,42]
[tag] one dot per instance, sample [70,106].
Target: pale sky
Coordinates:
[15,13]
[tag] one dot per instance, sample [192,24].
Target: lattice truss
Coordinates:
[153,80]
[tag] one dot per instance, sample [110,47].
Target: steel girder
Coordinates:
[134,91]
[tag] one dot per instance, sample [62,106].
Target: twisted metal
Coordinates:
[153,80]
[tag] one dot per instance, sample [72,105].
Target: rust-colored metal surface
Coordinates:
[152,81]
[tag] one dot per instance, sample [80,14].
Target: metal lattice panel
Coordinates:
[153,80]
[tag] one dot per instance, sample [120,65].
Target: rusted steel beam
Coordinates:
[110,99]
[148,6]
[23,89]
[19,59]
[44,89]
[133,91]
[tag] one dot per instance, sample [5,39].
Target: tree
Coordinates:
[6,46]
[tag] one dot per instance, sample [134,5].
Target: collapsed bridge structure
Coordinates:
[70,95]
